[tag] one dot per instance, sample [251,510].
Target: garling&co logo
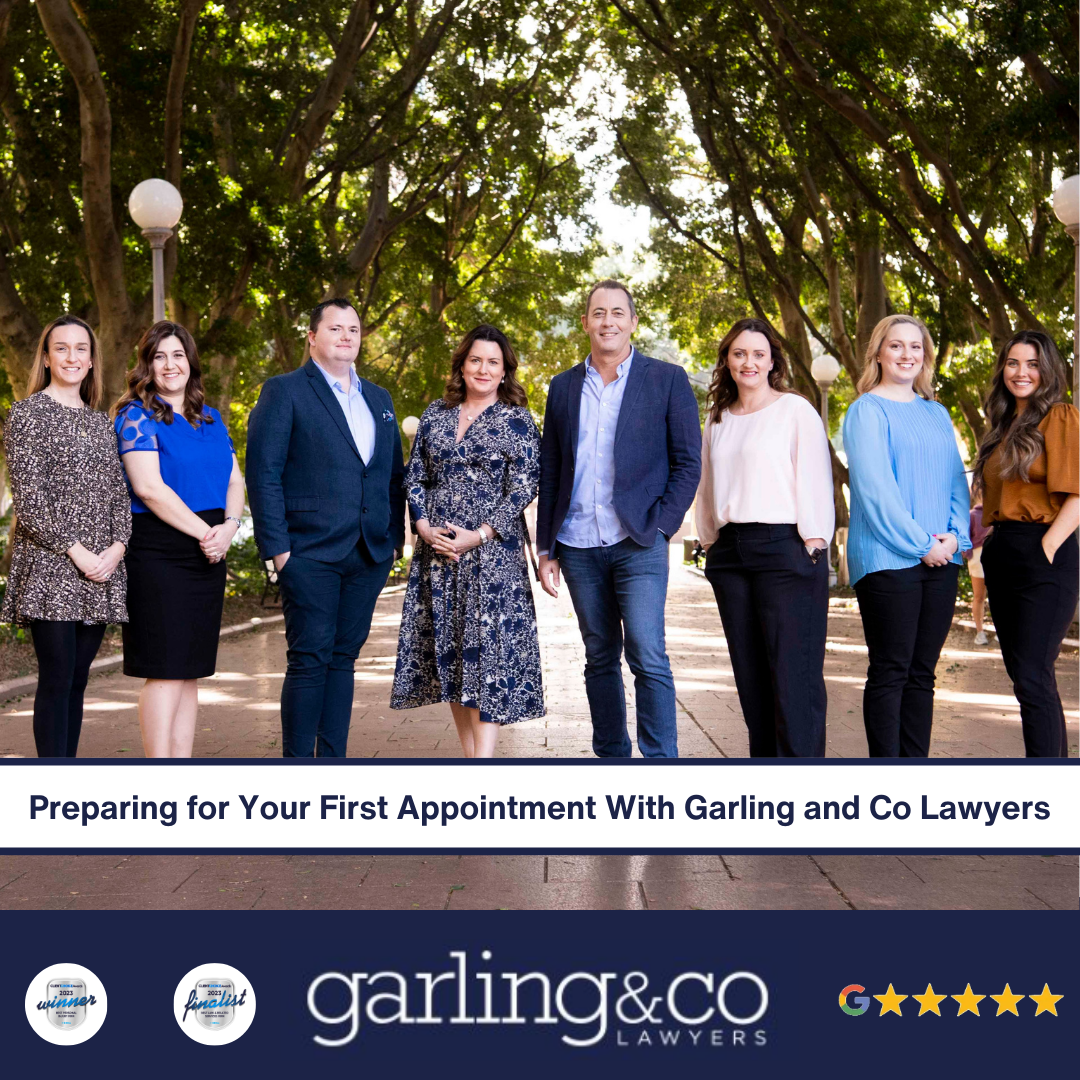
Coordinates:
[695,1008]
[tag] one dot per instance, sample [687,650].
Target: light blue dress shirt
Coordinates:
[907,483]
[357,414]
[591,520]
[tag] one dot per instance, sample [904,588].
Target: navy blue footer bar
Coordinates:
[733,994]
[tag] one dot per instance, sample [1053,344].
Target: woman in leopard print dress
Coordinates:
[72,523]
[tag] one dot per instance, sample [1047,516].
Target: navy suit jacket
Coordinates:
[309,489]
[657,451]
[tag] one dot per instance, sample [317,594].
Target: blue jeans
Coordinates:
[328,608]
[616,591]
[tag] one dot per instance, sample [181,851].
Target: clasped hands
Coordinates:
[96,567]
[216,542]
[449,540]
[941,552]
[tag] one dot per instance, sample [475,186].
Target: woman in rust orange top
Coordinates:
[1029,469]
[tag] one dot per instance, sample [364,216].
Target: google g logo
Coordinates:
[862,1002]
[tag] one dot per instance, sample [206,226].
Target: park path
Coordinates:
[976,716]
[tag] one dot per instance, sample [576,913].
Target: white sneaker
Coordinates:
[980,638]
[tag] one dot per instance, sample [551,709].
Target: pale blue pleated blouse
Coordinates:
[907,483]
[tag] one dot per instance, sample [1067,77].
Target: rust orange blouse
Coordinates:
[1053,476]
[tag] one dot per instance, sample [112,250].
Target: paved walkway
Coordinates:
[976,716]
[518,882]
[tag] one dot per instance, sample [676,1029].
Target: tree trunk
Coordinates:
[870,299]
[795,332]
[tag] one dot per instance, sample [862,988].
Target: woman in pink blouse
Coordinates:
[765,516]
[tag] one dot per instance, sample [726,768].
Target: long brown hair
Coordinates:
[511,392]
[92,387]
[723,391]
[1018,436]
[140,378]
[871,372]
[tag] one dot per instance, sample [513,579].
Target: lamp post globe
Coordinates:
[825,370]
[1067,209]
[155,206]
[1067,202]
[409,427]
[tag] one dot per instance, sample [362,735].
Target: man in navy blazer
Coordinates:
[325,483]
[620,461]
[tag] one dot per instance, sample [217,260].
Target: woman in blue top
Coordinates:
[909,523]
[187,494]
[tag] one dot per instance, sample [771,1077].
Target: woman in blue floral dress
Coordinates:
[468,627]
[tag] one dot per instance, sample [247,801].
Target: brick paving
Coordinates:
[976,716]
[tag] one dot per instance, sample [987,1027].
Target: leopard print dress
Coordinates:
[68,485]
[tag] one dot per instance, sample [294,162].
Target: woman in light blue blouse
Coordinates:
[187,494]
[909,523]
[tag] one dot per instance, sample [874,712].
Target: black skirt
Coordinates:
[175,597]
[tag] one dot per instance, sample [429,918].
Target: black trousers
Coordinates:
[1032,602]
[774,604]
[906,616]
[65,651]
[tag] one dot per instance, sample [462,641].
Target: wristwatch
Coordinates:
[815,553]
[484,538]
[235,520]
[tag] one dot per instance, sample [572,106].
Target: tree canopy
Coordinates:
[415,156]
[818,164]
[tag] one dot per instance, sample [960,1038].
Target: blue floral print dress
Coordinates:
[468,629]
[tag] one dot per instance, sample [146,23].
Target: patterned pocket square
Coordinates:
[387,415]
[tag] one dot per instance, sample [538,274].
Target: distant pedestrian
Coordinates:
[909,523]
[324,471]
[72,525]
[765,514]
[187,495]
[620,462]
[468,626]
[1029,468]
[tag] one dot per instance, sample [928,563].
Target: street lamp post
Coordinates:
[825,369]
[1067,208]
[155,206]
[409,428]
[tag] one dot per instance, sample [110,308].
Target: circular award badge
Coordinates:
[214,1004]
[66,1004]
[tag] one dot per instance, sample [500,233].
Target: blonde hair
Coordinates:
[871,373]
[92,388]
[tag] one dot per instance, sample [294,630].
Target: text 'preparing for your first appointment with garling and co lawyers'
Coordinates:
[447,812]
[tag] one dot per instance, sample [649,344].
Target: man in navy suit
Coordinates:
[325,482]
[619,466]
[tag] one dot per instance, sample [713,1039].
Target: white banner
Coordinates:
[546,807]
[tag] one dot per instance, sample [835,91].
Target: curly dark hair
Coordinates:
[140,378]
[723,392]
[511,392]
[1018,436]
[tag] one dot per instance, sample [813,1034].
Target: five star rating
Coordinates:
[930,1001]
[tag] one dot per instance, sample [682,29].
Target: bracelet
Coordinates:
[229,517]
[484,538]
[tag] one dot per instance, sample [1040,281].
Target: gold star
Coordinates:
[929,1001]
[969,1002]
[1006,1001]
[890,1001]
[1046,1001]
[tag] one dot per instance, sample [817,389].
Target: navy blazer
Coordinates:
[657,451]
[309,489]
